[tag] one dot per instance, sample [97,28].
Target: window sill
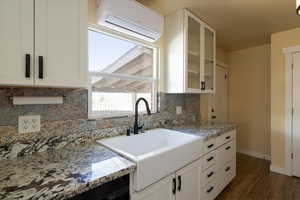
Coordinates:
[115,116]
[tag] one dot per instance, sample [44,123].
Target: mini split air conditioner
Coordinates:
[131,17]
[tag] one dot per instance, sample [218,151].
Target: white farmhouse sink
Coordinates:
[157,153]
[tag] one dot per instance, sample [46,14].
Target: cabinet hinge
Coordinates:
[293,111]
[292,156]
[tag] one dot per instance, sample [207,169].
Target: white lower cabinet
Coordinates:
[181,185]
[209,191]
[162,190]
[203,179]
[222,170]
[188,182]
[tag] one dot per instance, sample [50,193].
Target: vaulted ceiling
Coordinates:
[239,23]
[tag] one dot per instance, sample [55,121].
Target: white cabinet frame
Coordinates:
[49,31]
[177,51]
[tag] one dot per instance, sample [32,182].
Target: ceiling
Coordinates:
[239,23]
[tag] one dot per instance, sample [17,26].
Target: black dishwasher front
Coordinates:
[115,190]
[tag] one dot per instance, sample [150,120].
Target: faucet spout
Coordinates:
[136,126]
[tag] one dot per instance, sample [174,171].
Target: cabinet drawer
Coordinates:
[229,171]
[209,145]
[208,176]
[225,153]
[222,139]
[209,191]
[225,175]
[208,160]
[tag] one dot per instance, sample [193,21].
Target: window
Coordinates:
[120,72]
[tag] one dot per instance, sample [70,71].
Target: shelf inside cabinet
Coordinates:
[210,60]
[194,53]
[193,71]
[194,57]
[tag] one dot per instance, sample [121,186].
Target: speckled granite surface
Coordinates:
[55,135]
[205,129]
[73,169]
[67,123]
[60,174]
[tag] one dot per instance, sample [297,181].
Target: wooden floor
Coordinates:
[254,181]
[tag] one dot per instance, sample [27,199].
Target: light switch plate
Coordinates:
[29,124]
[178,110]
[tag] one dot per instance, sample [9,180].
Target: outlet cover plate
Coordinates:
[29,124]
[178,110]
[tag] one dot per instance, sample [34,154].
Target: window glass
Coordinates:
[120,72]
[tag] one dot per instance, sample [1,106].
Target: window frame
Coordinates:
[155,81]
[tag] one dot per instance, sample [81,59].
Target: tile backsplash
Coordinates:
[68,123]
[74,107]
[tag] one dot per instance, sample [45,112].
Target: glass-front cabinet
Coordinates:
[209,59]
[193,60]
[190,54]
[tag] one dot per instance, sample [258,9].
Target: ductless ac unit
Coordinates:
[131,17]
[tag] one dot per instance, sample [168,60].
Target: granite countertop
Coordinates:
[60,174]
[206,130]
[74,169]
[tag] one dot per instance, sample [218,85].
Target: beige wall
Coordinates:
[278,42]
[92,11]
[222,55]
[249,97]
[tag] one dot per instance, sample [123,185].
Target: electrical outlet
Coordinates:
[29,124]
[178,110]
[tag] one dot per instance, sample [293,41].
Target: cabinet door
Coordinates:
[188,182]
[61,43]
[193,48]
[209,59]
[16,40]
[162,190]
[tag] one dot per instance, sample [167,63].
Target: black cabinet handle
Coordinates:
[209,159]
[210,146]
[210,189]
[228,137]
[27,66]
[174,186]
[210,174]
[202,85]
[214,117]
[227,169]
[229,147]
[179,183]
[41,67]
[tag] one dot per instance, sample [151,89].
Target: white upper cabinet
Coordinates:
[52,35]
[193,53]
[16,42]
[190,54]
[209,59]
[61,34]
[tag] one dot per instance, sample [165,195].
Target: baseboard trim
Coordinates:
[255,154]
[279,170]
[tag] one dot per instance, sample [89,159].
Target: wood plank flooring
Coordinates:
[254,181]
